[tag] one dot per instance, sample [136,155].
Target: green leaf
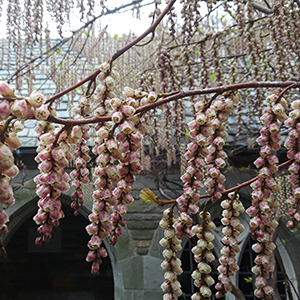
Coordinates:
[116,37]
[213,76]
[148,196]
[248,279]
[85,32]
[59,50]
[283,241]
[187,133]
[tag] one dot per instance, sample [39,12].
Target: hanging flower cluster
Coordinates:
[215,160]
[292,144]
[263,223]
[201,131]
[117,162]
[203,256]
[53,156]
[232,208]
[14,110]
[171,285]
[79,136]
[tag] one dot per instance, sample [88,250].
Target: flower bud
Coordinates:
[36,99]
[6,90]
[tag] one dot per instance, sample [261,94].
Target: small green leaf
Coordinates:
[248,279]
[51,52]
[85,32]
[213,76]
[187,133]
[283,241]
[59,50]
[148,196]
[116,37]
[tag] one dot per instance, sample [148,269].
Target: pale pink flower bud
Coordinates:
[205,291]
[152,96]
[255,221]
[122,209]
[117,117]
[36,99]
[220,163]
[295,104]
[167,253]
[12,172]
[222,269]
[175,284]
[218,141]
[193,208]
[170,276]
[128,92]
[90,256]
[260,282]
[209,182]
[275,137]
[199,106]
[104,67]
[6,90]
[3,217]
[102,133]
[268,290]
[12,141]
[41,113]
[262,140]
[204,268]
[278,109]
[201,118]
[209,236]
[224,279]
[196,296]
[209,256]
[4,110]
[164,242]
[202,141]
[294,114]
[166,284]
[20,109]
[127,127]
[234,222]
[296,192]
[266,119]
[265,172]
[128,110]
[207,131]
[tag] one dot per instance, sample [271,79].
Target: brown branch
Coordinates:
[151,29]
[237,187]
[117,54]
[218,90]
[164,100]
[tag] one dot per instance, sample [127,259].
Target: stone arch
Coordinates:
[65,274]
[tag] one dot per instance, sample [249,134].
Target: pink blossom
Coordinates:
[127,127]
[3,218]
[94,242]
[6,90]
[266,119]
[12,172]
[4,110]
